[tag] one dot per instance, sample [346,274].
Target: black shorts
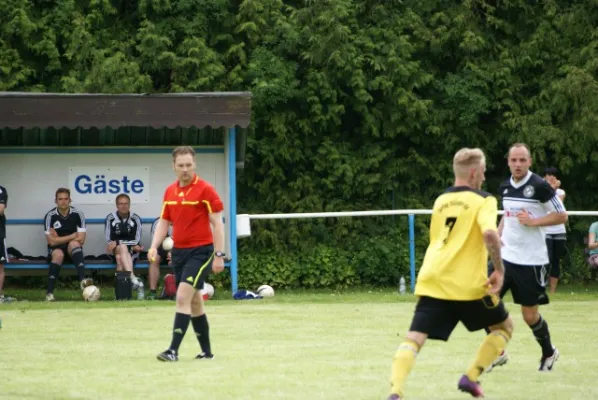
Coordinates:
[3,252]
[134,255]
[527,283]
[64,247]
[192,265]
[438,318]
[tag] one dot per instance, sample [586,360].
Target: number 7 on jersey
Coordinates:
[449,223]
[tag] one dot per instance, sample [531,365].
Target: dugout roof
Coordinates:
[34,110]
[58,119]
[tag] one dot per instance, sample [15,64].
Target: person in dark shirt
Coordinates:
[65,231]
[123,234]
[3,247]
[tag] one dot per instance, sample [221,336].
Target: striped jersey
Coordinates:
[64,225]
[126,230]
[525,245]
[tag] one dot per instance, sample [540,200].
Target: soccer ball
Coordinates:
[208,291]
[265,291]
[91,293]
[168,243]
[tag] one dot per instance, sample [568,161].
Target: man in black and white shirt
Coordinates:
[123,234]
[161,257]
[3,248]
[529,204]
[65,231]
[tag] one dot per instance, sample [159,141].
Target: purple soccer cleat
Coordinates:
[394,396]
[473,388]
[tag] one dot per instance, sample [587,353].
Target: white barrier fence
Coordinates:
[244,229]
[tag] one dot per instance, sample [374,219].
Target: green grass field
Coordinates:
[298,345]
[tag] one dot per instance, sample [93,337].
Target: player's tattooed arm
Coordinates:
[493,244]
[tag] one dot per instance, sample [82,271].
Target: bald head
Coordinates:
[519,160]
[520,148]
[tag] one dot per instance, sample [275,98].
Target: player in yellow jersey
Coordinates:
[453,284]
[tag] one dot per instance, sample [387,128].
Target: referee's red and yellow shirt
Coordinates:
[189,208]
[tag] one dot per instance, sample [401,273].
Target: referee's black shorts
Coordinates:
[438,318]
[192,265]
[527,283]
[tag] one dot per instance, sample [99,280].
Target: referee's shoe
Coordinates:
[168,355]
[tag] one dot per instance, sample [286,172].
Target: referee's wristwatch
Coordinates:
[219,254]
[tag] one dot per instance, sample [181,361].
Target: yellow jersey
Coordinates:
[456,262]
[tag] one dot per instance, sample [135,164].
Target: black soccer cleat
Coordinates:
[168,355]
[204,355]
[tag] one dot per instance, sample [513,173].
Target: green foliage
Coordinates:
[358,104]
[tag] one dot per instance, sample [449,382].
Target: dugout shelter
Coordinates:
[100,145]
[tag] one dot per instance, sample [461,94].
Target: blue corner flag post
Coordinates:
[232,203]
[412,250]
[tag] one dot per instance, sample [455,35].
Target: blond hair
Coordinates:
[467,158]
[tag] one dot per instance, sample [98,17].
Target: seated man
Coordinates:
[65,232]
[3,247]
[123,234]
[161,258]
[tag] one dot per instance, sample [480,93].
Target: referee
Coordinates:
[193,208]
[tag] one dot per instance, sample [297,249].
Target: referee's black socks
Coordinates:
[181,323]
[78,257]
[53,271]
[542,335]
[202,331]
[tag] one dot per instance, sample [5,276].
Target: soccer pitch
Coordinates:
[294,346]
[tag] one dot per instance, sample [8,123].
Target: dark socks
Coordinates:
[542,335]
[53,271]
[77,257]
[202,331]
[181,323]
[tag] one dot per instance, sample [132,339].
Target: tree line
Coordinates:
[358,105]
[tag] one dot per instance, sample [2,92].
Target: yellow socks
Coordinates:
[489,350]
[401,365]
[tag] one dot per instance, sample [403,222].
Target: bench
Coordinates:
[96,267]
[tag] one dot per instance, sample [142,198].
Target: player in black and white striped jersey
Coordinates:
[3,248]
[123,231]
[65,231]
[529,204]
[161,257]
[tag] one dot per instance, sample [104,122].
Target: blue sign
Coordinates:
[98,184]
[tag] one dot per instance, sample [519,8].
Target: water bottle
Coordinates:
[140,291]
[402,285]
